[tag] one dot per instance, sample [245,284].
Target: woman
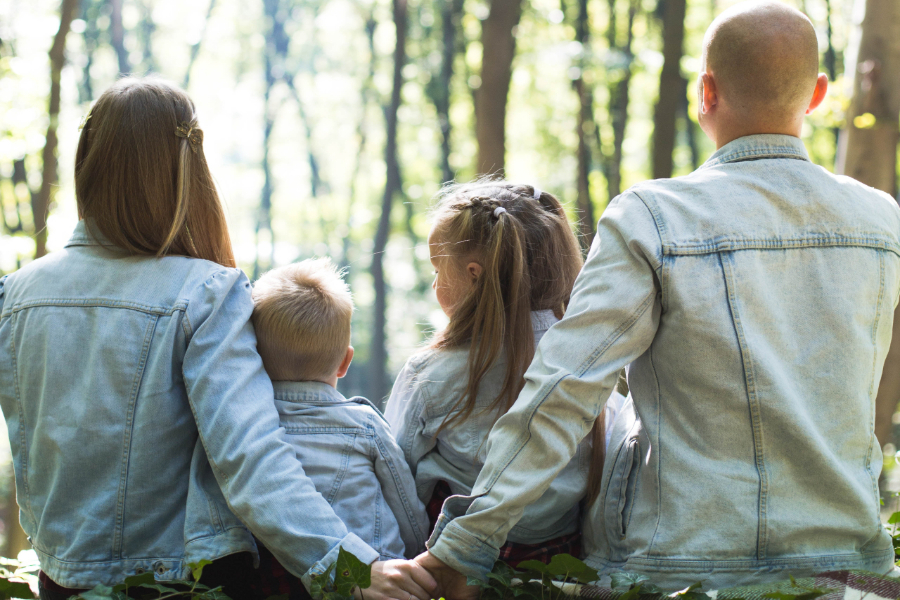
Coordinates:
[143,427]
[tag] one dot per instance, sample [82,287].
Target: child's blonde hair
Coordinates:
[141,178]
[302,315]
[530,259]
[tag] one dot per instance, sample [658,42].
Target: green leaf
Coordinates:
[197,568]
[14,589]
[566,565]
[533,565]
[632,593]
[350,572]
[215,594]
[894,519]
[99,592]
[624,579]
[159,588]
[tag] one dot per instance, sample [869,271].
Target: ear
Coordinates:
[474,270]
[819,94]
[708,92]
[345,364]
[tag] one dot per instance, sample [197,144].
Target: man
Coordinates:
[753,301]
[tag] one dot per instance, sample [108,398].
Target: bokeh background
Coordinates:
[330,125]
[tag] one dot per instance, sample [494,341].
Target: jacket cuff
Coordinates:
[461,550]
[350,543]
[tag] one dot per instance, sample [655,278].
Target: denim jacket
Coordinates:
[427,388]
[347,449]
[143,429]
[754,301]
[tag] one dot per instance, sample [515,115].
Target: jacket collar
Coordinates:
[82,237]
[756,147]
[306,391]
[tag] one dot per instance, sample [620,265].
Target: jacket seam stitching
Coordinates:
[873,390]
[753,405]
[22,426]
[395,476]
[118,532]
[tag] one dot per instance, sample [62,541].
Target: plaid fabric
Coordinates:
[275,580]
[840,585]
[511,553]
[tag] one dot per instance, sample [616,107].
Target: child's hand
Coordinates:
[398,580]
[452,583]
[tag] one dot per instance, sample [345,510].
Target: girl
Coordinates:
[505,260]
[143,427]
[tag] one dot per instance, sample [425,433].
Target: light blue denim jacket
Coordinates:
[347,450]
[427,388]
[143,427]
[754,301]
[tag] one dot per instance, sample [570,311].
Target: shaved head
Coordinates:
[764,58]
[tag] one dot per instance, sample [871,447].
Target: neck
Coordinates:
[729,129]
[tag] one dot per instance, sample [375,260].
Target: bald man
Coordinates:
[752,302]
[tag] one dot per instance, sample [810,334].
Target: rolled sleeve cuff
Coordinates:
[352,544]
[461,550]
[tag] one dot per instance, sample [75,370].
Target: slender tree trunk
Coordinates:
[868,152]
[264,214]
[41,203]
[499,47]
[831,61]
[91,38]
[619,93]
[451,12]
[195,47]
[361,135]
[117,34]
[147,29]
[671,87]
[584,127]
[392,187]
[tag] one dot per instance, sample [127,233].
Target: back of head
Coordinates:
[302,314]
[530,259]
[141,178]
[764,58]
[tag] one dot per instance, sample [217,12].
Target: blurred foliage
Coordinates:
[336,116]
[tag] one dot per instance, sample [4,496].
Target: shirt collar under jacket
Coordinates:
[307,392]
[756,147]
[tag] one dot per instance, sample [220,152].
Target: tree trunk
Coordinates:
[671,87]
[392,186]
[498,43]
[41,202]
[264,214]
[868,152]
[117,35]
[584,126]
[195,47]
[451,11]
[619,93]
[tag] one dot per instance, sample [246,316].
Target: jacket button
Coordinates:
[160,570]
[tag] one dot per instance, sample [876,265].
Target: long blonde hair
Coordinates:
[141,177]
[530,259]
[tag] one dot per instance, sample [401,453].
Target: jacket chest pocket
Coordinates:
[621,490]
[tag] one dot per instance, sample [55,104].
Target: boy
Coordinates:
[302,318]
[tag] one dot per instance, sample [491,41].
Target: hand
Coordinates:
[398,580]
[451,583]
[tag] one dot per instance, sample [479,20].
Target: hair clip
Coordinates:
[499,211]
[192,134]
[537,192]
[84,121]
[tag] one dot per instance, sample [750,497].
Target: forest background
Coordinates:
[330,125]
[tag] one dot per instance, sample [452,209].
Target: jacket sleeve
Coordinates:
[405,412]
[611,320]
[233,404]
[399,490]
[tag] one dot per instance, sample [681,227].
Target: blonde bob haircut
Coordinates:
[302,314]
[142,186]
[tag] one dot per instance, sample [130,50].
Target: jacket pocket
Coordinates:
[620,496]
